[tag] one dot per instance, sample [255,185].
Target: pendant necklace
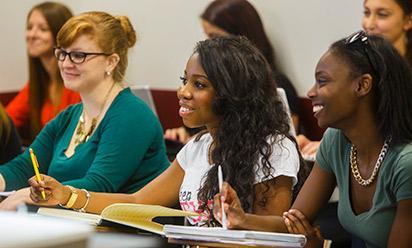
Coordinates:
[82,135]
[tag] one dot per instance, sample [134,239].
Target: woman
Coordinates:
[88,145]
[44,96]
[10,144]
[392,19]
[239,17]
[362,92]
[228,88]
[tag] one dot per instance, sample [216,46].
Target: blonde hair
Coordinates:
[112,35]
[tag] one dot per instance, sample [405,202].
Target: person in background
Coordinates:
[362,93]
[391,19]
[10,144]
[87,146]
[239,17]
[227,85]
[44,95]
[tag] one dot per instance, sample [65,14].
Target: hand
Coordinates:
[56,193]
[307,147]
[178,134]
[297,223]
[235,216]
[18,198]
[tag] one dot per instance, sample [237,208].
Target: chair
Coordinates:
[308,122]
[167,107]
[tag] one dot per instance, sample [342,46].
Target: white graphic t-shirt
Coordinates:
[193,158]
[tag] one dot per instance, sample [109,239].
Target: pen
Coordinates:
[220,178]
[36,170]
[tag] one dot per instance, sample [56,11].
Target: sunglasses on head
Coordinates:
[362,38]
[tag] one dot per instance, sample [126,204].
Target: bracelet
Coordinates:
[72,199]
[83,209]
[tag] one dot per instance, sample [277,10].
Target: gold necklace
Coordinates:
[353,161]
[81,134]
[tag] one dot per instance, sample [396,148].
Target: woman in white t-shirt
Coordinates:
[228,88]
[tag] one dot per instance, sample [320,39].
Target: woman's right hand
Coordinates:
[307,147]
[235,215]
[56,193]
[177,134]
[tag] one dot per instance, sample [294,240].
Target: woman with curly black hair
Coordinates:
[228,88]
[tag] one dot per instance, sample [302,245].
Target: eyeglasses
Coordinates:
[75,56]
[362,38]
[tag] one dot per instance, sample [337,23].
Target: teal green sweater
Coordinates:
[125,152]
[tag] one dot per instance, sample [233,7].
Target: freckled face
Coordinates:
[196,96]
[85,76]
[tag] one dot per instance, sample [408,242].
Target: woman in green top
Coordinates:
[363,90]
[88,145]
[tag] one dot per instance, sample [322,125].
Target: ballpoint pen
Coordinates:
[36,170]
[220,178]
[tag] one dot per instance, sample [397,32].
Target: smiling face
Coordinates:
[39,38]
[333,95]
[84,76]
[196,96]
[386,18]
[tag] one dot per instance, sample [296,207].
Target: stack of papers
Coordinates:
[241,237]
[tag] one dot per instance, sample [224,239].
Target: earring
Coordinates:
[108,73]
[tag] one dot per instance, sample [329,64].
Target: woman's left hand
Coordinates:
[297,223]
[11,203]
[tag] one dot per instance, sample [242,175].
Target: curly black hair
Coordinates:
[249,112]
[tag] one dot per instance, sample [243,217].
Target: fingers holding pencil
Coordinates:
[53,190]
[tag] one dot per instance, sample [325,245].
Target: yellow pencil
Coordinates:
[36,170]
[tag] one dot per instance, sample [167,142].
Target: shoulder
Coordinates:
[70,111]
[284,160]
[404,157]
[281,144]
[194,150]
[332,149]
[402,171]
[130,105]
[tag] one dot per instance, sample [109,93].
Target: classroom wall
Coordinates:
[168,29]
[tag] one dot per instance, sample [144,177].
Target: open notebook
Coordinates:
[241,237]
[135,215]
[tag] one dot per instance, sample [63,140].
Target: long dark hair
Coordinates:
[392,83]
[239,17]
[56,14]
[249,112]
[406,6]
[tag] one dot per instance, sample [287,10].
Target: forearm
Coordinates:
[269,223]
[97,201]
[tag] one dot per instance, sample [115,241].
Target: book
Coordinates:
[241,237]
[134,215]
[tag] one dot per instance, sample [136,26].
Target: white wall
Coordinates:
[168,29]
